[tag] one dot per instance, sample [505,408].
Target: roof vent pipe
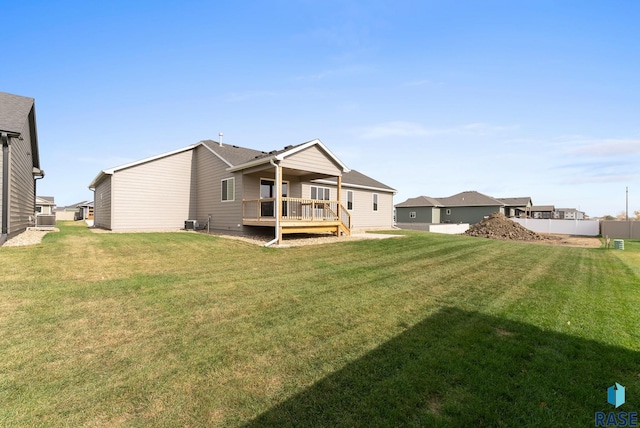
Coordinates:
[220,139]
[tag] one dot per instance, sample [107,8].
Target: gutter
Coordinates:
[4,137]
[276,208]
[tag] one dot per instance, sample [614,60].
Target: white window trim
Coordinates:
[448,211]
[350,192]
[234,189]
[327,189]
[375,202]
[412,214]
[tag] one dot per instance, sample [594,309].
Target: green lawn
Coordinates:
[183,329]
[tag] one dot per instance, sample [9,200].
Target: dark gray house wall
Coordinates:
[19,164]
[471,215]
[422,215]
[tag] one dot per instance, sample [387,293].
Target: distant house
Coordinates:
[568,214]
[82,210]
[465,207]
[469,206]
[516,207]
[301,188]
[19,164]
[45,205]
[542,211]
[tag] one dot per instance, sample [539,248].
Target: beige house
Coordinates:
[19,164]
[208,185]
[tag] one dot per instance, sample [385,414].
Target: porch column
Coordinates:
[278,202]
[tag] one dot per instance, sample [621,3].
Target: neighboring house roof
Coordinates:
[45,200]
[420,201]
[464,199]
[568,210]
[541,208]
[357,179]
[76,206]
[469,199]
[517,202]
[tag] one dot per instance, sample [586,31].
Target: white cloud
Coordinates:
[412,129]
[607,147]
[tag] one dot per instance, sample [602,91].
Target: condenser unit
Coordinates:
[190,224]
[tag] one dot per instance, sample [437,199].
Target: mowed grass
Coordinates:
[183,329]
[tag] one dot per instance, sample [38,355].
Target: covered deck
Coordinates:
[298,215]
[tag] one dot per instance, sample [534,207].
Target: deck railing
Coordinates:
[296,209]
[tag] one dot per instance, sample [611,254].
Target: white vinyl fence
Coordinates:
[563,227]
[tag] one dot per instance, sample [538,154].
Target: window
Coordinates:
[412,214]
[321,193]
[448,211]
[228,186]
[349,200]
[375,202]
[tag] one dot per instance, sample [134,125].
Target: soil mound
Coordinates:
[498,226]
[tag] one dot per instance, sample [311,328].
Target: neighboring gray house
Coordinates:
[302,188]
[542,211]
[516,207]
[422,209]
[465,207]
[19,164]
[45,205]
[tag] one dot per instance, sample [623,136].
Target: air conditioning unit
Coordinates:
[190,224]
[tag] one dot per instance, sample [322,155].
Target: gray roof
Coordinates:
[358,179]
[420,201]
[517,202]
[543,208]
[14,111]
[233,154]
[464,199]
[469,199]
[49,199]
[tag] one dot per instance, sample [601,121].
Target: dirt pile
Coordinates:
[498,226]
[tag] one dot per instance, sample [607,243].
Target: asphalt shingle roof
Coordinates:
[14,110]
[469,199]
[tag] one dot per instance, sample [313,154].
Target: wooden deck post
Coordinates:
[338,210]
[278,202]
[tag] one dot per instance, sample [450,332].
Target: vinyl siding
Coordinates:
[471,215]
[156,195]
[102,203]
[312,159]
[210,171]
[21,197]
[423,215]
[362,216]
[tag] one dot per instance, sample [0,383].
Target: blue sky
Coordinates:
[509,98]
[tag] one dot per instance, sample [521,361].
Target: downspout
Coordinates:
[276,208]
[38,174]
[5,187]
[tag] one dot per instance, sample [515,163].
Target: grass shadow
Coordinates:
[461,368]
